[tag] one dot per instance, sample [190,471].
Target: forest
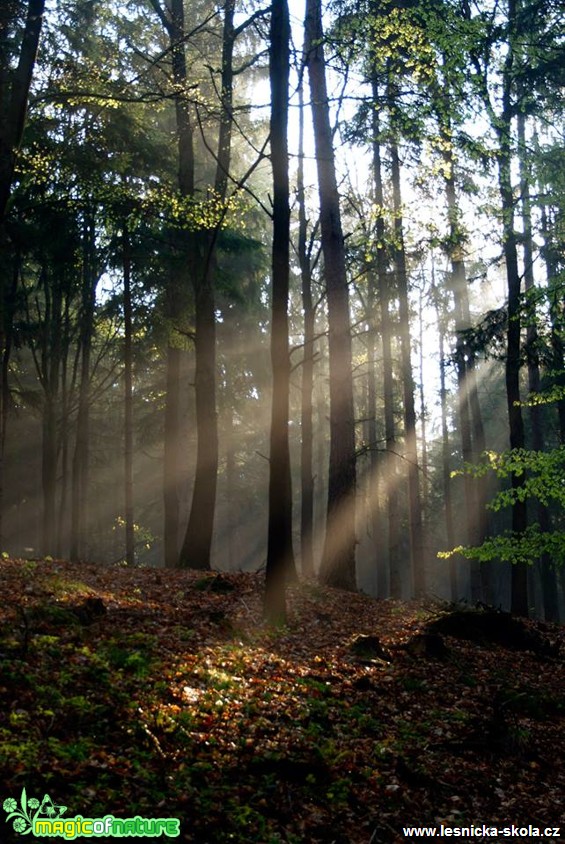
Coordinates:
[282,288]
[282,420]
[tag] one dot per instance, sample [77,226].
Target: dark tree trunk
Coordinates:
[519,600]
[80,469]
[423,411]
[14,93]
[279,543]
[171,16]
[50,372]
[546,569]
[468,408]
[306,423]
[197,544]
[384,280]
[62,524]
[556,315]
[411,450]
[446,473]
[375,514]
[338,558]
[128,399]
[172,451]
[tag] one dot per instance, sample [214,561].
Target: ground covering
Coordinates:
[134,691]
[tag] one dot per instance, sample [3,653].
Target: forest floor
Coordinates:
[151,693]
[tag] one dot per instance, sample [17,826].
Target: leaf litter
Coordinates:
[138,691]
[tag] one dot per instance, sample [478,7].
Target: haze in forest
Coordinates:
[287,293]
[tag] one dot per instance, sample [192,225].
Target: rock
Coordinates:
[369,647]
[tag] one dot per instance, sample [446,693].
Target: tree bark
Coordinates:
[128,399]
[338,558]
[80,468]
[468,406]
[306,419]
[411,449]
[446,457]
[197,544]
[519,589]
[383,281]
[172,19]
[545,564]
[14,95]
[280,556]
[18,84]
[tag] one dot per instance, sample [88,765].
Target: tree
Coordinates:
[15,80]
[338,558]
[280,558]
[195,551]
[306,418]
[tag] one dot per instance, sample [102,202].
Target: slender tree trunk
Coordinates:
[51,361]
[384,279]
[446,458]
[375,514]
[468,407]
[306,423]
[546,570]
[128,398]
[18,83]
[6,340]
[411,449]
[62,523]
[198,539]
[14,94]
[172,450]
[279,542]
[338,558]
[172,18]
[80,469]
[556,316]
[423,412]
[519,600]
[49,476]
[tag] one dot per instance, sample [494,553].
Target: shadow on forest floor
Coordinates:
[132,691]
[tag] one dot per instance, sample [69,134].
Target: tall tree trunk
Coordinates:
[384,280]
[62,523]
[519,599]
[423,411]
[306,423]
[557,321]
[128,398]
[171,16]
[279,542]
[375,513]
[6,341]
[503,127]
[197,544]
[338,558]
[411,449]
[546,570]
[50,364]
[446,455]
[80,469]
[468,406]
[14,94]
[172,447]
[17,83]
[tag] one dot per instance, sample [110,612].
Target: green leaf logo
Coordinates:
[24,815]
